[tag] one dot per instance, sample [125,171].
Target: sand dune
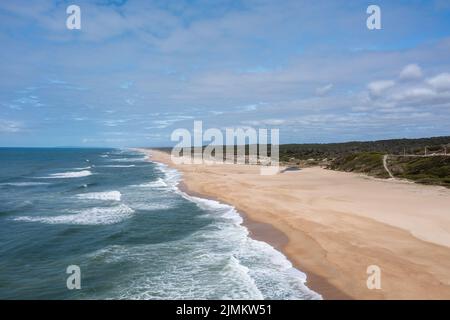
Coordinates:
[333,225]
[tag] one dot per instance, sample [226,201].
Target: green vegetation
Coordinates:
[370,163]
[367,157]
[319,151]
[427,170]
[433,170]
[335,150]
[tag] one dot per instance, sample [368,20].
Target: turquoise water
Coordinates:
[132,232]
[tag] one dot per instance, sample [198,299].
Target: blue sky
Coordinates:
[137,70]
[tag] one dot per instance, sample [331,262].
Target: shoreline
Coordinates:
[332,225]
[269,234]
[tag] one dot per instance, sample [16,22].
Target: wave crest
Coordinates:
[93,216]
[107,195]
[69,174]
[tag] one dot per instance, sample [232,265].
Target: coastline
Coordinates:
[269,234]
[258,231]
[333,248]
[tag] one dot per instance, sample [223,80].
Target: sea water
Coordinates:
[122,219]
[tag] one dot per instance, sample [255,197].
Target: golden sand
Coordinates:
[333,225]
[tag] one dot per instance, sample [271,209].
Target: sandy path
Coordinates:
[385,157]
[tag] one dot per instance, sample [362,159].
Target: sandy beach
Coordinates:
[333,225]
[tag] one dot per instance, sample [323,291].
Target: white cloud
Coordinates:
[324,90]
[414,94]
[114,122]
[11,106]
[265,122]
[441,82]
[402,96]
[7,126]
[210,52]
[411,72]
[250,107]
[376,88]
[130,101]
[126,85]
[274,122]
[164,123]
[108,140]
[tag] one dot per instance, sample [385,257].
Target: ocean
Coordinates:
[134,235]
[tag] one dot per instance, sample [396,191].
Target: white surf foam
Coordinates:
[23,184]
[92,216]
[107,195]
[151,206]
[159,183]
[172,177]
[270,270]
[69,174]
[119,166]
[170,180]
[227,211]
[272,273]
[140,159]
[250,269]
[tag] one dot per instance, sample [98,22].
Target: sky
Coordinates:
[138,70]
